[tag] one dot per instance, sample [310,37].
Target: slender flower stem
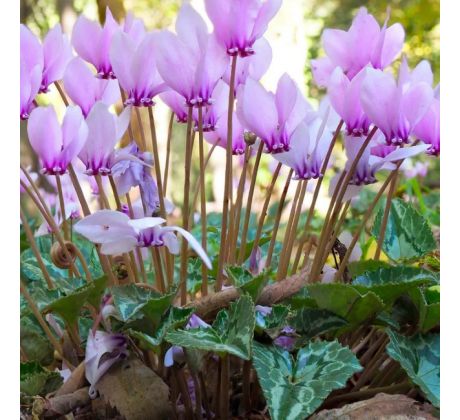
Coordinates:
[65,228]
[293,231]
[123,99]
[159,278]
[168,153]
[43,208]
[247,212]
[307,254]
[185,208]
[263,214]
[318,185]
[138,251]
[204,225]
[143,145]
[115,192]
[366,216]
[101,191]
[197,188]
[156,158]
[283,256]
[238,204]
[228,181]
[55,343]
[33,246]
[386,214]
[61,93]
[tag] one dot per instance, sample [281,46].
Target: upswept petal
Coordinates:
[257,109]
[392,44]
[31,49]
[285,97]
[57,53]
[122,122]
[336,46]
[74,133]
[122,53]
[322,69]
[428,128]
[85,39]
[191,28]
[45,134]
[146,223]
[416,102]
[266,13]
[192,242]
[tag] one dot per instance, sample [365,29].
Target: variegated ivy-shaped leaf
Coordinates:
[232,332]
[420,358]
[407,234]
[294,389]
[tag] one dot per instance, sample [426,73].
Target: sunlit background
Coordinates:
[294,35]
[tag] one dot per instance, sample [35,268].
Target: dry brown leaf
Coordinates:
[75,381]
[136,391]
[381,407]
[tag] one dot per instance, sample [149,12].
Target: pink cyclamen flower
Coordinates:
[219,135]
[103,350]
[395,107]
[134,66]
[117,233]
[177,104]
[365,43]
[198,62]
[309,145]
[238,24]
[30,82]
[428,128]
[254,66]
[104,131]
[376,156]
[52,56]
[345,97]
[56,145]
[272,117]
[85,90]
[92,42]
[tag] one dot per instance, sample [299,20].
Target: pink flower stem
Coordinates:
[228,181]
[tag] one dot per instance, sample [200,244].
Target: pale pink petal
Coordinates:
[416,102]
[85,39]
[45,134]
[191,28]
[122,53]
[57,53]
[146,222]
[266,14]
[74,133]
[335,43]
[322,69]
[392,45]
[31,49]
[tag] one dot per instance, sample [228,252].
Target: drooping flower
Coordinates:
[365,43]
[253,66]
[104,131]
[272,117]
[308,148]
[286,340]
[92,42]
[52,56]
[198,62]
[134,66]
[428,128]
[238,24]
[56,145]
[377,156]
[85,90]
[345,97]
[129,173]
[177,104]
[103,350]
[117,233]
[395,107]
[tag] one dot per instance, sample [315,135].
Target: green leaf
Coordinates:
[232,331]
[420,358]
[154,308]
[310,322]
[391,282]
[130,299]
[407,235]
[175,318]
[356,268]
[244,280]
[69,307]
[294,389]
[274,321]
[347,302]
[428,305]
[34,342]
[35,380]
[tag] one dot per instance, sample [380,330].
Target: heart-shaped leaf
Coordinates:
[407,234]
[232,332]
[36,380]
[420,357]
[246,282]
[294,389]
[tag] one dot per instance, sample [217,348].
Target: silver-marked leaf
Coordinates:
[295,389]
[420,357]
[407,234]
[130,299]
[310,322]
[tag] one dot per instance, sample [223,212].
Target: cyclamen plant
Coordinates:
[244,313]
